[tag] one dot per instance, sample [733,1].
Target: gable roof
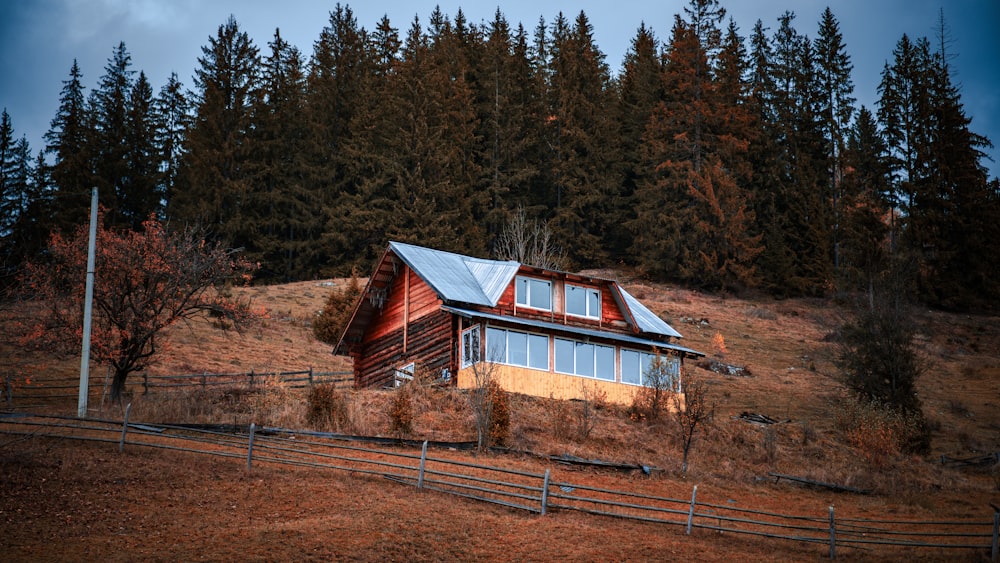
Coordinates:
[457,278]
[464,280]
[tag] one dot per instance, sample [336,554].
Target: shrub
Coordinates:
[880,432]
[500,411]
[401,413]
[327,408]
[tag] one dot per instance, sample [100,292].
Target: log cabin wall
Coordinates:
[411,327]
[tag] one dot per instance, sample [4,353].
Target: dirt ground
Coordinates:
[65,500]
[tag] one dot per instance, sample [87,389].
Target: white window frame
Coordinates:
[588,293]
[471,346]
[529,338]
[523,298]
[576,371]
[645,360]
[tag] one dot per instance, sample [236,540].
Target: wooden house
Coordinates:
[542,332]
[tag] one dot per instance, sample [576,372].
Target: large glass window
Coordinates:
[583,301]
[534,293]
[518,348]
[637,366]
[470,346]
[585,359]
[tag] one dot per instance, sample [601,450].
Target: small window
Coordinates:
[470,347]
[583,301]
[534,293]
[403,374]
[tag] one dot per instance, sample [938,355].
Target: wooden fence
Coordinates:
[522,490]
[43,388]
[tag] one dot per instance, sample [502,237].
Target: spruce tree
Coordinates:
[836,109]
[171,118]
[140,194]
[67,140]
[110,106]
[214,177]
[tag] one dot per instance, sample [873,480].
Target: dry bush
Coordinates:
[499,429]
[401,412]
[327,409]
[876,430]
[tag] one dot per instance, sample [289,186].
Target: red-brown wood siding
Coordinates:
[430,348]
[389,343]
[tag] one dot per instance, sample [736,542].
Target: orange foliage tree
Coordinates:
[144,282]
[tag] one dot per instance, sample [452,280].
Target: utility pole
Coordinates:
[81,409]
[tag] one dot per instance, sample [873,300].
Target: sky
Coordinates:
[39,39]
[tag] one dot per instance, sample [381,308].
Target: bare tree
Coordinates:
[529,242]
[691,410]
[660,383]
[481,400]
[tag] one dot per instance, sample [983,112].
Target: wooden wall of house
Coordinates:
[411,328]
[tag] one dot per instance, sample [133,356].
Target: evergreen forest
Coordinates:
[716,158]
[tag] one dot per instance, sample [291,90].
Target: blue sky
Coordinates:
[40,38]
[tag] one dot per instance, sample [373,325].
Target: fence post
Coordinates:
[694,495]
[833,536]
[9,390]
[423,461]
[310,377]
[995,550]
[121,443]
[253,427]
[145,383]
[545,493]
[204,376]
[251,378]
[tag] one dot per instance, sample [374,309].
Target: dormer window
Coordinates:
[583,302]
[534,293]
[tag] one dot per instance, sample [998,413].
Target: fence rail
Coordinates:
[517,489]
[38,388]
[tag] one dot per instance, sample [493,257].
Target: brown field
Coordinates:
[63,500]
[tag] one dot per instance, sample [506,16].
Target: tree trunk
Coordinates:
[118,385]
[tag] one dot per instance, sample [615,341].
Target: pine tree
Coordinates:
[836,108]
[215,177]
[694,218]
[583,134]
[140,195]
[67,139]
[109,104]
[282,211]
[171,118]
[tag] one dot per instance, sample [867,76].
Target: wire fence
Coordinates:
[40,388]
[537,493]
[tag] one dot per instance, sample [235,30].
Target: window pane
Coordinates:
[538,351]
[564,356]
[630,367]
[540,294]
[585,359]
[496,345]
[576,300]
[606,363]
[517,348]
[521,291]
[594,303]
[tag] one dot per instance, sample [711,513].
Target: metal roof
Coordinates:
[647,320]
[551,327]
[458,278]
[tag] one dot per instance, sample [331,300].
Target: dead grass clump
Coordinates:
[762,313]
[876,431]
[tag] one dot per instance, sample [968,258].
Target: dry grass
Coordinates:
[785,343]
